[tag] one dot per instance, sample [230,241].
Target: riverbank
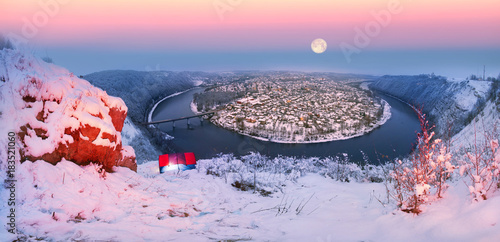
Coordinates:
[328,137]
[150,114]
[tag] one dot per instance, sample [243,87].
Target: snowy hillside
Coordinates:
[133,135]
[487,122]
[68,202]
[226,198]
[448,102]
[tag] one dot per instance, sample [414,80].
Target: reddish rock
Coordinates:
[118,118]
[82,151]
[40,116]
[89,132]
[111,138]
[128,160]
[41,133]
[64,116]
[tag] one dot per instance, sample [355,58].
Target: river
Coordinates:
[393,139]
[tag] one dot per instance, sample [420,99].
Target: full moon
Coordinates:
[318,46]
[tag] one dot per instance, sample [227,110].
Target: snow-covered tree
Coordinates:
[422,177]
[481,164]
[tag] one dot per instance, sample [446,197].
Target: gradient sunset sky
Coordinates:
[453,38]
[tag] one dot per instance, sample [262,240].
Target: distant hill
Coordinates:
[139,88]
[449,103]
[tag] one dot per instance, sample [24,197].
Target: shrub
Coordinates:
[481,165]
[422,176]
[267,175]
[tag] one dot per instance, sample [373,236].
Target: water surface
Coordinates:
[393,139]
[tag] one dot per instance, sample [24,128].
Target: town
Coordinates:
[294,110]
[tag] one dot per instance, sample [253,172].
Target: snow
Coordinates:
[68,202]
[485,122]
[129,132]
[327,137]
[194,109]
[197,83]
[466,98]
[65,101]
[444,100]
[128,151]
[364,85]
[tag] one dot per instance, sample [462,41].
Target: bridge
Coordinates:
[181,118]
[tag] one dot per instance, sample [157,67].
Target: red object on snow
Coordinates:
[163,160]
[177,161]
[190,160]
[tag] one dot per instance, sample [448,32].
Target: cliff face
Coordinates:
[59,116]
[450,104]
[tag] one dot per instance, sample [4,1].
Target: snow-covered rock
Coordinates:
[59,116]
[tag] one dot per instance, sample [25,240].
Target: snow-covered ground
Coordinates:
[487,123]
[69,202]
[466,98]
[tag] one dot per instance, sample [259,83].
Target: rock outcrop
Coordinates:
[57,115]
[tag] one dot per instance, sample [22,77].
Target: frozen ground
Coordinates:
[68,202]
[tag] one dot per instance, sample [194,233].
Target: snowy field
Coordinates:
[68,202]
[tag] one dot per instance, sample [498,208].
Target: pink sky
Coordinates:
[253,24]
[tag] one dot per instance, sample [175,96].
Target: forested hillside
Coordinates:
[451,104]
